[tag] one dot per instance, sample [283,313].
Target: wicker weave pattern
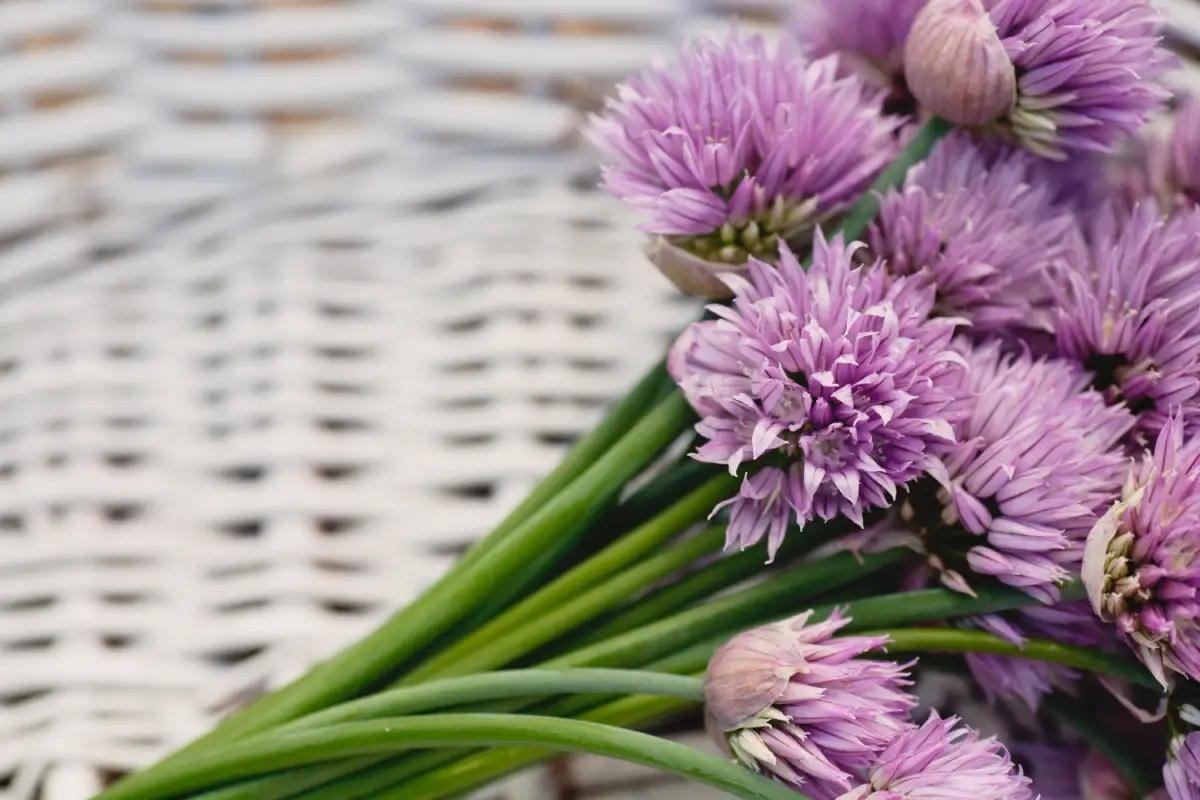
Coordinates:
[60,119]
[219,471]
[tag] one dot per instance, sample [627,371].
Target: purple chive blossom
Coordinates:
[938,760]
[1141,568]
[1057,76]
[1129,311]
[1026,679]
[795,703]
[1086,70]
[866,35]
[829,386]
[738,144]
[979,221]
[1181,774]
[1036,462]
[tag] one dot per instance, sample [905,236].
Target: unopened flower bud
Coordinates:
[956,65]
[749,673]
[1141,562]
[791,700]
[691,273]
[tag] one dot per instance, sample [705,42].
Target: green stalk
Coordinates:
[778,596]
[760,602]
[397,734]
[298,782]
[412,778]
[588,590]
[722,574]
[882,612]
[892,611]
[649,391]
[955,640]
[553,623]
[460,690]
[391,774]
[710,624]
[854,224]
[453,772]
[629,412]
[906,608]
[688,654]
[1077,717]
[442,694]
[671,481]
[569,551]
[689,651]
[661,491]
[371,659]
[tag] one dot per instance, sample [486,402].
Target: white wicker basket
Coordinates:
[60,119]
[226,457]
[295,301]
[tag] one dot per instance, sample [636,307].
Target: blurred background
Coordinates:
[297,297]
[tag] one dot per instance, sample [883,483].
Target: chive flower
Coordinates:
[795,702]
[736,146]
[827,387]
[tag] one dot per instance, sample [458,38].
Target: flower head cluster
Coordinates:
[981,224]
[867,36]
[1142,563]
[1129,311]
[830,385]
[1086,70]
[1036,462]
[1181,775]
[1057,76]
[792,701]
[941,760]
[739,145]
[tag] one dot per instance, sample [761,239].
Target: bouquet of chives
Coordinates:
[943,404]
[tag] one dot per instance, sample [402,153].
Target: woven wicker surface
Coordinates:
[295,301]
[225,459]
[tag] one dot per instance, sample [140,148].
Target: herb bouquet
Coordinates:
[940,420]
